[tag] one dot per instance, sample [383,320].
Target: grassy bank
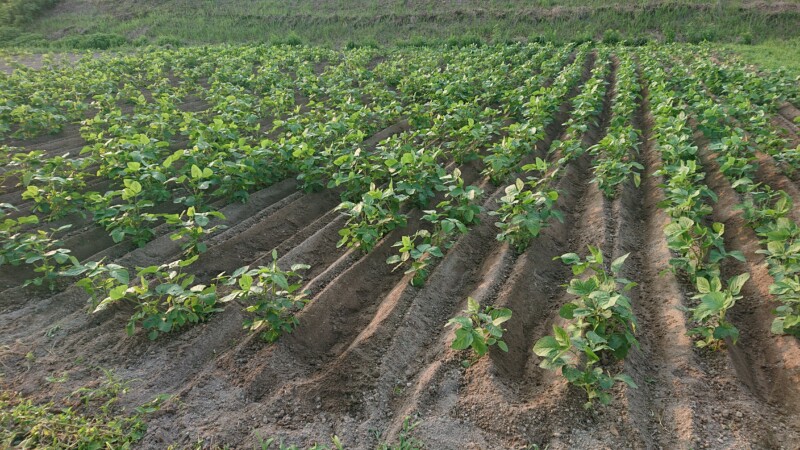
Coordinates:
[336,23]
[772,54]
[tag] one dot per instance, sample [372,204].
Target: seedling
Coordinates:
[40,248]
[165,298]
[715,301]
[376,214]
[600,323]
[191,227]
[479,329]
[273,296]
[419,254]
[98,279]
[525,210]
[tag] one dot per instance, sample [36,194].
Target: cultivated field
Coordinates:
[263,242]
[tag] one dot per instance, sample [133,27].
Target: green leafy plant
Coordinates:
[198,182]
[377,213]
[715,301]
[765,206]
[419,254]
[55,186]
[405,439]
[42,250]
[273,296]
[600,325]
[525,210]
[782,249]
[11,233]
[165,298]
[479,329]
[128,218]
[191,227]
[98,279]
[700,248]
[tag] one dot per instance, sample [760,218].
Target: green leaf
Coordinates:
[627,380]
[545,345]
[164,326]
[567,311]
[240,271]
[134,186]
[118,292]
[736,254]
[463,339]
[187,262]
[571,374]
[500,315]
[595,338]
[280,280]
[561,336]
[703,287]
[478,344]
[777,326]
[711,303]
[117,235]
[736,283]
[605,383]
[61,258]
[201,220]
[245,282]
[616,266]
[570,258]
[725,331]
[73,271]
[119,273]
[597,254]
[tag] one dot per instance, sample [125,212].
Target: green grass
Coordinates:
[389,22]
[772,54]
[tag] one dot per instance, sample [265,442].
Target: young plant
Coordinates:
[600,325]
[376,214]
[274,297]
[525,210]
[98,279]
[10,234]
[40,249]
[715,301]
[88,418]
[165,298]
[461,201]
[198,183]
[788,292]
[419,254]
[127,218]
[699,248]
[782,241]
[55,186]
[479,329]
[191,228]
[765,206]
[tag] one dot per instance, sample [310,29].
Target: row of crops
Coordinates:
[414,143]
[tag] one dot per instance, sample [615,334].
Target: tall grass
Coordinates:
[772,54]
[389,22]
